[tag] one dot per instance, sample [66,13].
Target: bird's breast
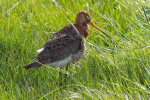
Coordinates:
[79,54]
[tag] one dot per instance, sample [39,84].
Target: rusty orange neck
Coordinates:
[83,29]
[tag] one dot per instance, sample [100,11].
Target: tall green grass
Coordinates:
[115,67]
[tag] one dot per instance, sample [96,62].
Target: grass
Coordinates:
[115,67]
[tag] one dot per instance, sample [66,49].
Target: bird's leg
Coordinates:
[60,74]
[66,70]
[60,71]
[66,74]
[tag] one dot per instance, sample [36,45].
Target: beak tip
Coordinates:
[105,34]
[91,23]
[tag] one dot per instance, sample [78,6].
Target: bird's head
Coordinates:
[83,18]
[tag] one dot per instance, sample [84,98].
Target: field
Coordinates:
[115,67]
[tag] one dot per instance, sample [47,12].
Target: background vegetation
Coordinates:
[115,67]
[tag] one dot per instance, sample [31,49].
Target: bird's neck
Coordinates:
[83,29]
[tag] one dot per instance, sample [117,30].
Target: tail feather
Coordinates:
[32,64]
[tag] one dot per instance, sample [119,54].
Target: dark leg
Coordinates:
[60,75]
[66,74]
[66,70]
[60,71]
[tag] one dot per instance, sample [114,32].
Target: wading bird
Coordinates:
[66,45]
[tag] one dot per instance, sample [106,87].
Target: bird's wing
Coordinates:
[60,47]
[65,30]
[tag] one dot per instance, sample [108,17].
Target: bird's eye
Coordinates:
[85,17]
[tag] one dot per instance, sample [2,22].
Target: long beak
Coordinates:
[91,23]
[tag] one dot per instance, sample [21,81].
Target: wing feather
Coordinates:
[61,45]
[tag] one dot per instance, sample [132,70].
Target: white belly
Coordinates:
[72,58]
[61,63]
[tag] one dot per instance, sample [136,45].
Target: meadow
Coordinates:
[113,68]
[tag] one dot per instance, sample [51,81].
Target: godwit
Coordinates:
[66,45]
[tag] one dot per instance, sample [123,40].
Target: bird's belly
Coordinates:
[77,56]
[72,58]
[61,63]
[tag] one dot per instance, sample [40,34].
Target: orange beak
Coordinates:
[91,23]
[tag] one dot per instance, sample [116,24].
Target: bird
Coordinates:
[67,45]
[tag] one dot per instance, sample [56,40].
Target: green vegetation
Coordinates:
[116,67]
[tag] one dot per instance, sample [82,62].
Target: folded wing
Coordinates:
[61,45]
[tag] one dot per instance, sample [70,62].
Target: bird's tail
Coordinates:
[33,64]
